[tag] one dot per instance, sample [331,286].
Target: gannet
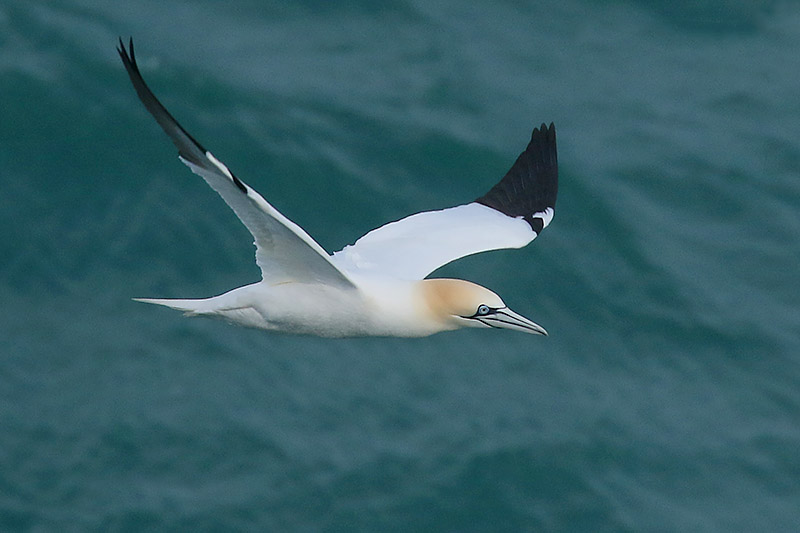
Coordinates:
[379,285]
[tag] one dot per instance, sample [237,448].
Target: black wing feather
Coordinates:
[188,147]
[531,185]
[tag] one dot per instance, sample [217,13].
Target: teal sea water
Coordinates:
[666,398]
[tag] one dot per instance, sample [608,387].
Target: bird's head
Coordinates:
[464,304]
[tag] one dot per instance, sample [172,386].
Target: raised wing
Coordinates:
[510,215]
[284,251]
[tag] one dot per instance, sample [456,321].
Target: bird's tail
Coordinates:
[189,307]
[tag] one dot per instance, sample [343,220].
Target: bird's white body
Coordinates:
[299,308]
[378,307]
[377,285]
[314,309]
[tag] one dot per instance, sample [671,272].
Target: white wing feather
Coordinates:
[284,251]
[415,246]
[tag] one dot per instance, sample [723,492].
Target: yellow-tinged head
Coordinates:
[465,304]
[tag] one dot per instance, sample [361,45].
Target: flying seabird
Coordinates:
[377,286]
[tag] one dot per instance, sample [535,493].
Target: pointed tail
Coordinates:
[189,307]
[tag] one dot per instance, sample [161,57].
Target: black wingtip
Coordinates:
[127,55]
[544,134]
[188,147]
[531,185]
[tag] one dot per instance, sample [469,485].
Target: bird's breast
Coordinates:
[374,309]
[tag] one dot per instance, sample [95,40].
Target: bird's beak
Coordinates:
[508,319]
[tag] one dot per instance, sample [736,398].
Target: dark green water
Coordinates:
[667,397]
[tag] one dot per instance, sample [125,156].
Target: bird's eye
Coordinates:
[483,310]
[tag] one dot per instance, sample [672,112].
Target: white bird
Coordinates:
[376,286]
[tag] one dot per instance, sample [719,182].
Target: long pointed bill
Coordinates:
[507,319]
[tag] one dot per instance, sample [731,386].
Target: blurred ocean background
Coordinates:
[666,398]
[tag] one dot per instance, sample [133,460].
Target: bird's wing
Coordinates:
[510,215]
[284,251]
